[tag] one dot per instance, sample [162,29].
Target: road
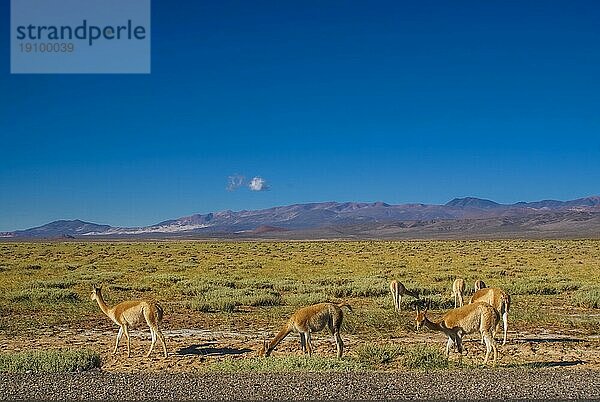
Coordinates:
[511,383]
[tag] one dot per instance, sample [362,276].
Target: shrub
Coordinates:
[208,306]
[52,295]
[305,299]
[373,354]
[423,357]
[226,299]
[55,283]
[589,298]
[164,279]
[49,361]
[410,357]
[436,302]
[261,299]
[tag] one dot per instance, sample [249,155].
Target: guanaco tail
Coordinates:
[311,319]
[498,299]
[458,288]
[129,314]
[475,317]
[397,289]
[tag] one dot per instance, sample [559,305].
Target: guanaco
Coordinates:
[311,319]
[475,317]
[129,314]
[397,289]
[498,299]
[458,288]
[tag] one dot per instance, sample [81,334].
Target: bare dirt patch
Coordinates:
[192,349]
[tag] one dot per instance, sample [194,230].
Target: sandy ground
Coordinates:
[190,349]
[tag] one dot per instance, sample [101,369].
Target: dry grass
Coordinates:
[258,284]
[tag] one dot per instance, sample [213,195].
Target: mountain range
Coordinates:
[468,217]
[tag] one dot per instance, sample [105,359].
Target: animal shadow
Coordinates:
[206,349]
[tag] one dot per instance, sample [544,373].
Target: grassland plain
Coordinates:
[222,298]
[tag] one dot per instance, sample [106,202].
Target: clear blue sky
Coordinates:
[324,100]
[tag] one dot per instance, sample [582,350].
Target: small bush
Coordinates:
[164,279]
[437,302]
[542,287]
[255,300]
[410,357]
[226,299]
[55,283]
[589,298]
[373,355]
[49,361]
[209,306]
[424,357]
[305,299]
[52,295]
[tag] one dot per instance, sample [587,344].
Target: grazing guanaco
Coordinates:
[398,290]
[498,299]
[311,319]
[129,314]
[458,288]
[479,284]
[476,317]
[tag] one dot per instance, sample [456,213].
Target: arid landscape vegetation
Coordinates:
[222,299]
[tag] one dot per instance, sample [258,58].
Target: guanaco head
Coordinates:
[96,292]
[479,284]
[420,317]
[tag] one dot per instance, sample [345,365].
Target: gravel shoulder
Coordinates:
[547,383]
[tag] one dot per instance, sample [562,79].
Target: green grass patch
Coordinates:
[541,286]
[589,298]
[423,357]
[410,357]
[43,295]
[372,354]
[53,283]
[226,299]
[305,299]
[286,364]
[49,361]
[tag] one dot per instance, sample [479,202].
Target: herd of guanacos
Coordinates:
[483,314]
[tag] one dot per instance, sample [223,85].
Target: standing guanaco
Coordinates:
[129,314]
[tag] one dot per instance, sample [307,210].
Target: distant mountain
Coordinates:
[63,228]
[459,217]
[471,202]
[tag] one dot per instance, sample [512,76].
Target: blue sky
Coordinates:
[324,100]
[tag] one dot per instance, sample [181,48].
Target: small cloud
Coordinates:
[234,182]
[258,184]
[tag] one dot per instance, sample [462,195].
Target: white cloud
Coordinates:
[258,184]
[235,181]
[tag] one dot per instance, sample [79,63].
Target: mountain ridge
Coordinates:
[316,216]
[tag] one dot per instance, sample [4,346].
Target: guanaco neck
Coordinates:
[285,331]
[411,293]
[434,326]
[102,304]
